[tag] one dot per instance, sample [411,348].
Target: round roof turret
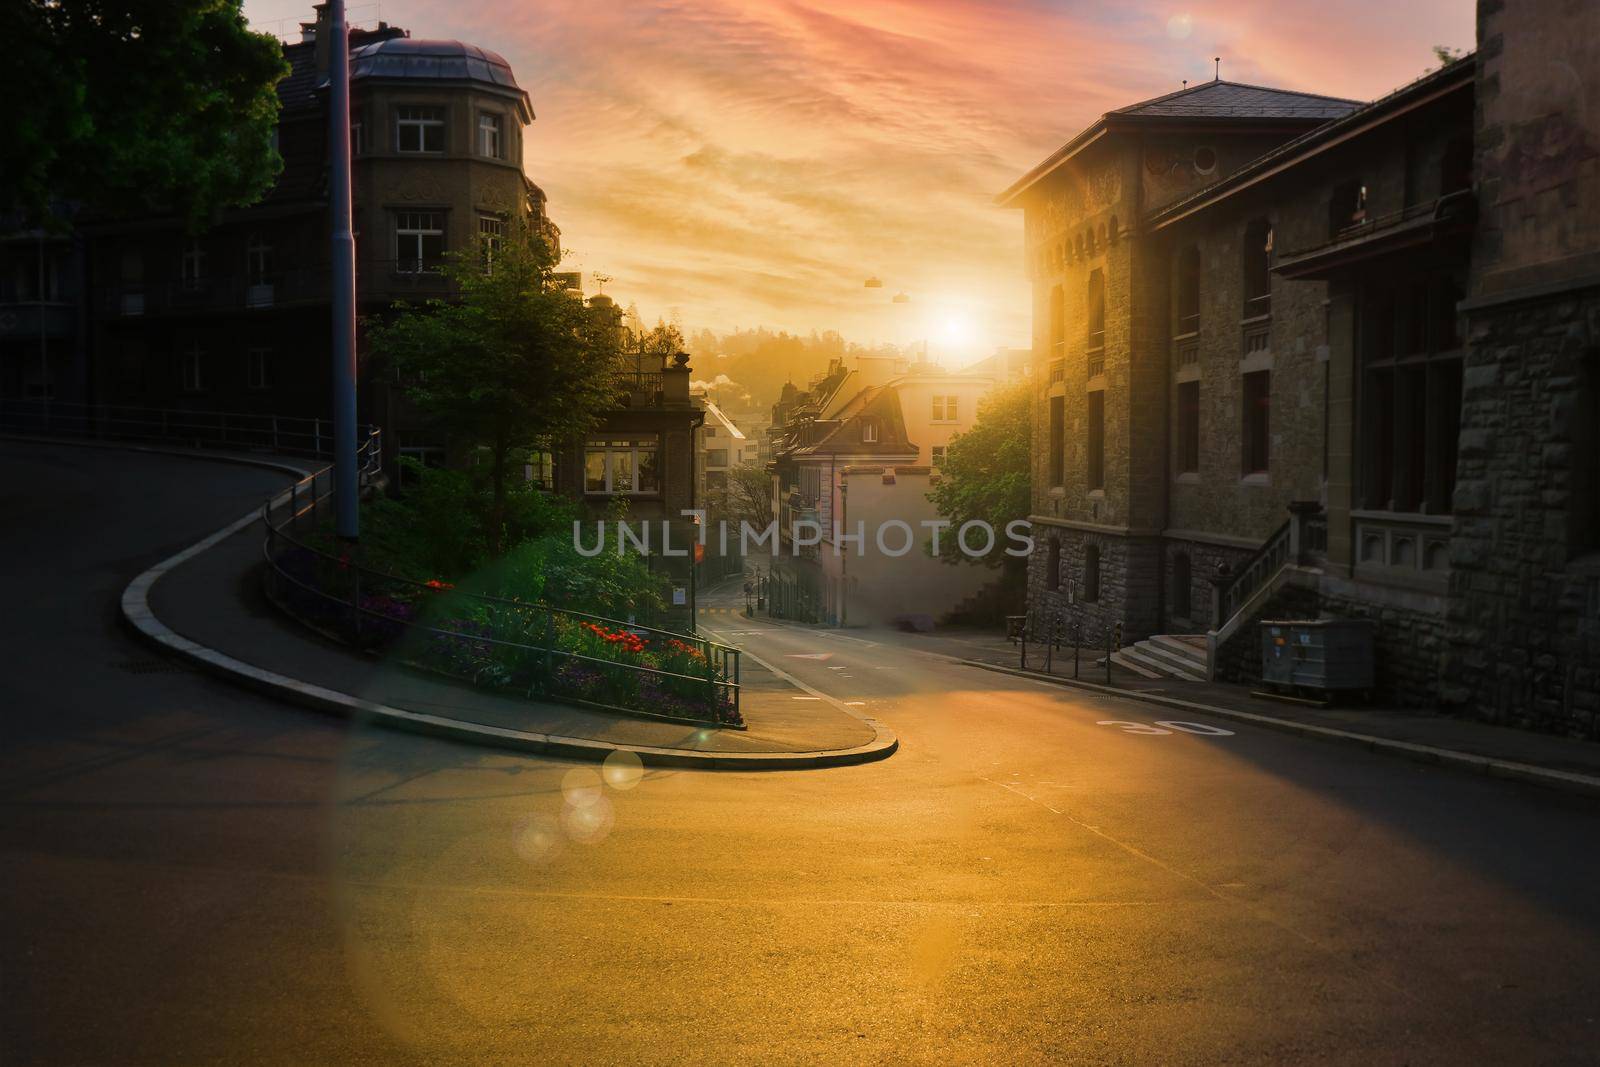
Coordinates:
[414,59]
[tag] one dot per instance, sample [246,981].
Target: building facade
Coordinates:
[1256,314]
[857,456]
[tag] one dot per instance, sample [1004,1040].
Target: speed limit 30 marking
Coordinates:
[1166,726]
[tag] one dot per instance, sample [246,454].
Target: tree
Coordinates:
[745,497]
[985,474]
[515,363]
[142,106]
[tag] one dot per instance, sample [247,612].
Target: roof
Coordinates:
[422,59]
[722,417]
[1447,79]
[1209,102]
[1220,99]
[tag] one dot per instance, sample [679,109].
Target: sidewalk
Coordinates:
[214,599]
[1499,750]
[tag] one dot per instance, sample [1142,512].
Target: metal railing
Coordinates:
[1267,561]
[228,430]
[528,648]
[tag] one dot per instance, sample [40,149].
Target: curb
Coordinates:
[310,466]
[136,611]
[1569,781]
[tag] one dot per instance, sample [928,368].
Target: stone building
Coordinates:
[1253,347]
[236,318]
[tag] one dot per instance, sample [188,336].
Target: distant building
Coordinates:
[722,447]
[859,453]
[1298,355]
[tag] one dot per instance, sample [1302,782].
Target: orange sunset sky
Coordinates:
[750,163]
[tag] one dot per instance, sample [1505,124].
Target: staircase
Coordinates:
[1180,656]
[1240,597]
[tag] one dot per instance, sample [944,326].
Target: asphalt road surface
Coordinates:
[196,874]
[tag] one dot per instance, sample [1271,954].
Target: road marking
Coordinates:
[805,698]
[855,703]
[811,655]
[1166,726]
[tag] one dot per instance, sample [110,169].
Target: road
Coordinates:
[195,874]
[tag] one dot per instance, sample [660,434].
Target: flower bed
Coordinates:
[523,648]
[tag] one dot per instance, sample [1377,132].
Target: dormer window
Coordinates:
[869,431]
[419,129]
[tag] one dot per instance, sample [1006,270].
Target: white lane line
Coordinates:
[855,703]
[805,698]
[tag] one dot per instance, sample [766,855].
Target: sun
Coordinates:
[958,328]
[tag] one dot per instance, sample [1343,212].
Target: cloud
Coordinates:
[752,161]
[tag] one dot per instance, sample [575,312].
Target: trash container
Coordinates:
[1325,656]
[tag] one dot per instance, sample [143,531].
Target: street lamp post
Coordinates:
[343,262]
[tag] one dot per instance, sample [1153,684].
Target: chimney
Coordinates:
[308,32]
[322,34]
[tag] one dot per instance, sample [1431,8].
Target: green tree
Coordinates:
[138,106]
[514,363]
[985,473]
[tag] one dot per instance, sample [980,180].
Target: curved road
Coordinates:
[195,874]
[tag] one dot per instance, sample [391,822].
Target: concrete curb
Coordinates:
[137,613]
[1568,781]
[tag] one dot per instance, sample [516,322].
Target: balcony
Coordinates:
[377,281]
[1186,349]
[1095,360]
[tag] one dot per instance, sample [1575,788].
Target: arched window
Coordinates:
[1097,309]
[1257,268]
[1091,573]
[1182,586]
[1055,563]
[1058,322]
[1186,291]
[1347,207]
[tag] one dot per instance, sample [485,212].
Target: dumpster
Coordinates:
[1324,655]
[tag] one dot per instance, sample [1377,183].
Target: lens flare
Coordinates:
[622,770]
[591,823]
[537,837]
[582,787]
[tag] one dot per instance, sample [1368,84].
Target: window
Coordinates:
[1347,207]
[1182,586]
[419,241]
[716,457]
[1410,395]
[1097,439]
[1053,577]
[540,470]
[1188,427]
[938,455]
[419,129]
[716,479]
[1058,440]
[258,370]
[1091,574]
[192,267]
[489,135]
[617,466]
[491,234]
[1058,321]
[357,132]
[1097,309]
[944,409]
[711,431]
[1257,269]
[1256,438]
[1455,166]
[869,430]
[1186,291]
[193,366]
[258,260]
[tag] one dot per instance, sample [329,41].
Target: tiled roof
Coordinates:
[1220,99]
[1460,71]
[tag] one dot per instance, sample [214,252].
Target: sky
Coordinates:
[743,163]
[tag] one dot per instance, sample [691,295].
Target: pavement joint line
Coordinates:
[136,610]
[1490,766]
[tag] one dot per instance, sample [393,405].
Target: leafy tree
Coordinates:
[985,473]
[515,363]
[137,106]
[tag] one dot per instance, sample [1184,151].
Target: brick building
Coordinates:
[1259,317]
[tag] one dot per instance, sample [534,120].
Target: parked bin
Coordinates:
[1325,655]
